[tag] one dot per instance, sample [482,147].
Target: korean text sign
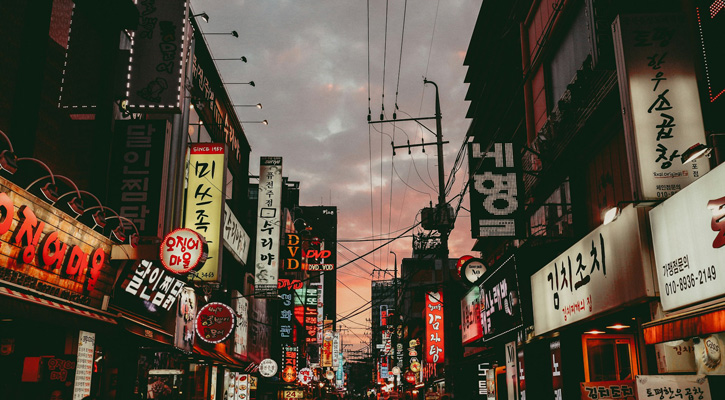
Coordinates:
[241,308]
[434,339]
[688,235]
[149,282]
[138,184]
[157,55]
[471,316]
[495,185]
[500,304]
[608,390]
[266,271]
[660,102]
[608,267]
[672,386]
[205,201]
[236,239]
[84,364]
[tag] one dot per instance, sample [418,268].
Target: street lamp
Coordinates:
[233,33]
[255,122]
[242,59]
[203,16]
[258,105]
[250,83]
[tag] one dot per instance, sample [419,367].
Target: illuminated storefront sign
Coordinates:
[434,339]
[608,390]
[236,239]
[158,49]
[327,349]
[500,304]
[293,249]
[269,217]
[660,102]
[215,322]
[690,252]
[183,250]
[609,267]
[204,200]
[286,311]
[84,364]
[685,386]
[495,183]
[471,316]
[149,282]
[710,20]
[48,251]
[267,367]
[289,363]
[185,318]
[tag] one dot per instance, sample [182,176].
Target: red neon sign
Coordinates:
[434,342]
[215,322]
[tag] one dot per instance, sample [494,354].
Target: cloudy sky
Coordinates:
[309,60]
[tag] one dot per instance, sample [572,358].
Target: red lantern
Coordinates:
[460,263]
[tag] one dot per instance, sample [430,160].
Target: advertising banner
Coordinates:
[434,339]
[496,188]
[286,311]
[608,267]
[675,386]
[289,369]
[236,239]
[204,202]
[500,304]
[241,308]
[660,102]
[140,166]
[84,365]
[335,350]
[688,236]
[158,55]
[609,390]
[151,283]
[471,316]
[269,218]
[292,252]
[556,378]
[327,339]
[185,316]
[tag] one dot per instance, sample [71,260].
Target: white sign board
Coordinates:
[241,308]
[609,267]
[675,386]
[84,365]
[660,102]
[689,242]
[269,221]
[236,239]
[511,380]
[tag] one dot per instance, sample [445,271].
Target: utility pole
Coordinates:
[396,318]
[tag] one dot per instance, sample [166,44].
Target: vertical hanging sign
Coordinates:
[660,102]
[434,342]
[266,271]
[205,201]
[495,186]
[84,365]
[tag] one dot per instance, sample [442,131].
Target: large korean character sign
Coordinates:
[434,342]
[266,263]
[660,102]
[205,201]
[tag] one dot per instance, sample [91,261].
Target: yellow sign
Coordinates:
[205,202]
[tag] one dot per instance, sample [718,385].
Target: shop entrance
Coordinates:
[609,357]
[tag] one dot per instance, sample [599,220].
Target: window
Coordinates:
[609,357]
[554,217]
[569,57]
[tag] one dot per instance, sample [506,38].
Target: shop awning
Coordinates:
[146,330]
[699,322]
[53,304]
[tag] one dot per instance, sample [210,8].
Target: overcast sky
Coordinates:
[309,60]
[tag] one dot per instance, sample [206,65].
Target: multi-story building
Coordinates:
[581,128]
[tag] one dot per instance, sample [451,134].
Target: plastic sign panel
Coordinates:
[149,282]
[434,339]
[293,252]
[84,364]
[327,349]
[688,236]
[472,270]
[204,202]
[185,320]
[511,379]
[500,304]
[471,316]
[675,386]
[496,189]
[305,376]
[157,60]
[236,239]
[269,217]
[267,367]
[215,322]
[241,308]
[609,267]
[182,251]
[660,102]
[608,390]
[289,363]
